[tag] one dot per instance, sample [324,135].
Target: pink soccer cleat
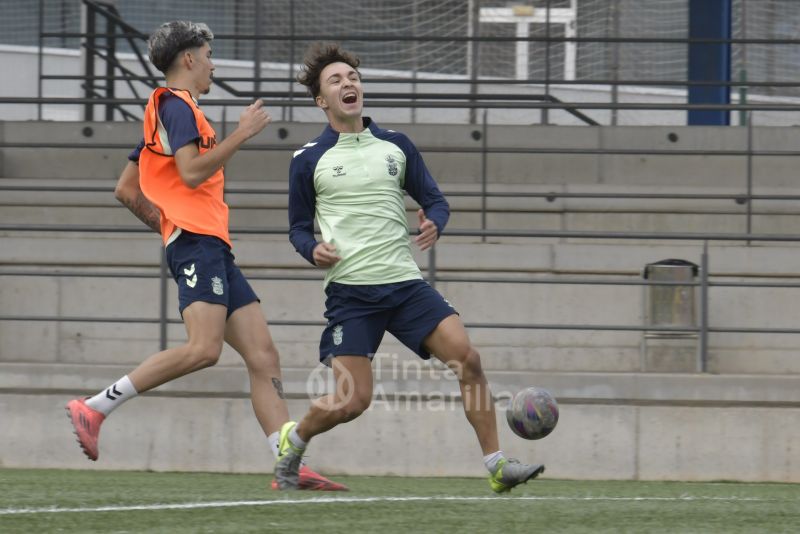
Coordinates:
[86,422]
[309,480]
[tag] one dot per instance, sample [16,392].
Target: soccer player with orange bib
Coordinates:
[177,189]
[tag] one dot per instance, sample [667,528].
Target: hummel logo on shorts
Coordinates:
[191,282]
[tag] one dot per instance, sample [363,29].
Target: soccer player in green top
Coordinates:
[352,179]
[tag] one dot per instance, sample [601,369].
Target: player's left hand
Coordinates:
[428,234]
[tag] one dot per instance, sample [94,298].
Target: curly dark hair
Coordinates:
[319,56]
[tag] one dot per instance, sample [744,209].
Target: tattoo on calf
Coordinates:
[279,387]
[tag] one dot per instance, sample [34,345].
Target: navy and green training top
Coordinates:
[353,184]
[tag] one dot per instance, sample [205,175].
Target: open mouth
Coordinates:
[351,98]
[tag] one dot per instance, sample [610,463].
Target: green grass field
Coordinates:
[39,501]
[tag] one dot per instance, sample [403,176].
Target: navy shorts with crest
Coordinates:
[204,268]
[358,316]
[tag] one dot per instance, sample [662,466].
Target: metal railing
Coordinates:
[105,30]
[705,283]
[484,150]
[746,198]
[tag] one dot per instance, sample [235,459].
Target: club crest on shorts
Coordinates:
[391,165]
[338,334]
[216,285]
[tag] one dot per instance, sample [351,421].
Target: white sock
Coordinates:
[296,440]
[274,443]
[491,460]
[113,396]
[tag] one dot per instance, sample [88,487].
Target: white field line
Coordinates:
[356,500]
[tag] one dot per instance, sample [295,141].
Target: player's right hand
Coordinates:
[325,255]
[254,118]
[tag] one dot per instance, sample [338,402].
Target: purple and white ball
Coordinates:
[533,413]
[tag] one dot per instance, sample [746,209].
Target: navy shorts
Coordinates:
[204,268]
[358,316]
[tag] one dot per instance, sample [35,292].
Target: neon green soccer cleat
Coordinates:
[287,468]
[511,473]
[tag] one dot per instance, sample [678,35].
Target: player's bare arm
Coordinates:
[195,168]
[130,195]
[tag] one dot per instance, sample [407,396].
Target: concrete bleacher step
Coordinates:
[93,203]
[466,254]
[497,220]
[99,150]
[35,288]
[204,422]
[632,403]
[582,192]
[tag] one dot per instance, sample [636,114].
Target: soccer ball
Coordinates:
[533,413]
